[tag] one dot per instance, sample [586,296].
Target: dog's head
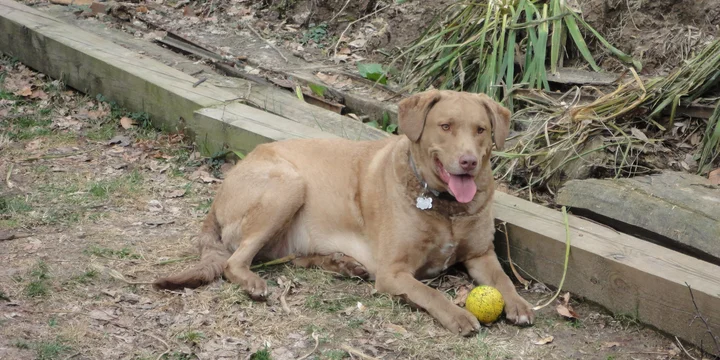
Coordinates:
[452,134]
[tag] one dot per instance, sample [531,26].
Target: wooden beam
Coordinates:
[242,128]
[91,64]
[624,274]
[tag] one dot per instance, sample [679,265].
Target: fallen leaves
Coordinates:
[120,140]
[24,92]
[461,295]
[564,308]
[127,123]
[101,315]
[714,177]
[545,340]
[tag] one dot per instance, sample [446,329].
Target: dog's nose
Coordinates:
[468,162]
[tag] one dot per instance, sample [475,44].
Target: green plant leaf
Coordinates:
[318,90]
[374,72]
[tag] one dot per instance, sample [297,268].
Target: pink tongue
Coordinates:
[463,187]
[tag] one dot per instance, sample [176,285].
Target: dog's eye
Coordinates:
[445,127]
[480,130]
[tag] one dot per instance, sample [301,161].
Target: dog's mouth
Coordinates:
[462,186]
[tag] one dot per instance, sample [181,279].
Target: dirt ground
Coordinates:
[660,33]
[99,204]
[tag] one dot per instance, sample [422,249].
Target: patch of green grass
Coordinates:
[50,350]
[8,224]
[334,355]
[27,127]
[127,183]
[39,286]
[124,253]
[11,205]
[262,354]
[316,33]
[355,323]
[204,205]
[44,350]
[102,132]
[85,278]
[21,344]
[179,356]
[322,304]
[191,337]
[52,322]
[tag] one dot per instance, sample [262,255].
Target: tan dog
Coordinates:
[369,201]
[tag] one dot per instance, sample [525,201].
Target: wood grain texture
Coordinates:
[626,275]
[95,66]
[242,128]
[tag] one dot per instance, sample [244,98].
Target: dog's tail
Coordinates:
[213,255]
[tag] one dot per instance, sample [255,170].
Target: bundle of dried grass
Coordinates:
[477,46]
[557,132]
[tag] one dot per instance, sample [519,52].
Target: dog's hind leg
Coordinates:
[337,262]
[270,210]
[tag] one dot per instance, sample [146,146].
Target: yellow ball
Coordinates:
[486,303]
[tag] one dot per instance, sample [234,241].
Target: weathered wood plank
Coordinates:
[681,208]
[622,273]
[95,66]
[242,128]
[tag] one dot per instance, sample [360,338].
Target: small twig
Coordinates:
[167,347]
[683,349]
[249,89]
[353,351]
[279,261]
[339,12]
[199,82]
[267,41]
[512,266]
[283,301]
[73,355]
[172,261]
[7,235]
[317,342]
[699,315]
[567,259]
[197,72]
[7,178]
[48,157]
[356,21]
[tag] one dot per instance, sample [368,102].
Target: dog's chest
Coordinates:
[444,246]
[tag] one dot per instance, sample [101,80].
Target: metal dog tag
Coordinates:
[423,202]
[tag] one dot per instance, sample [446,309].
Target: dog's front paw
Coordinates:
[519,311]
[459,321]
[254,285]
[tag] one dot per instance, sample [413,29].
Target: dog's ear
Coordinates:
[499,118]
[413,111]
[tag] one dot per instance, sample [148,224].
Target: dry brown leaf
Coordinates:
[175,194]
[461,295]
[24,92]
[610,345]
[39,94]
[545,340]
[396,328]
[98,8]
[101,315]
[714,177]
[188,11]
[567,311]
[564,308]
[639,134]
[127,122]
[142,9]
